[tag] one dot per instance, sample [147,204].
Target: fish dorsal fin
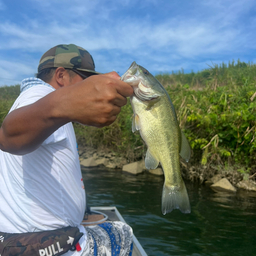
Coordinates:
[135,123]
[185,149]
[150,161]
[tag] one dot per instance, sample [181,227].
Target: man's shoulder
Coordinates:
[32,89]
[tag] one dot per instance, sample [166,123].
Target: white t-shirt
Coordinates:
[42,190]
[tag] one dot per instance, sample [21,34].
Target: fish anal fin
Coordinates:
[185,149]
[150,161]
[175,197]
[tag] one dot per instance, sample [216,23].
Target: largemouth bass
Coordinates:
[155,118]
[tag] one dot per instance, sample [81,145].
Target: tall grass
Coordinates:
[233,73]
[9,92]
[7,96]
[220,123]
[216,109]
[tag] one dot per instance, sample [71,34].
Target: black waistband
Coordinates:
[54,242]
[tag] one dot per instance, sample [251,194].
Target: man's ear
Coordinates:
[61,76]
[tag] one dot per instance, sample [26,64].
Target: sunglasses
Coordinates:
[80,74]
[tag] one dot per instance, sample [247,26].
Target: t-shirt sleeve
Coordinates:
[32,95]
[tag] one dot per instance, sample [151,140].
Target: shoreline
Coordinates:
[218,177]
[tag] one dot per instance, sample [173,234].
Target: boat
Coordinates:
[112,214]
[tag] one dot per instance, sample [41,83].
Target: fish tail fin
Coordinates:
[175,197]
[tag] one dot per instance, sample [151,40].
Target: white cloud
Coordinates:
[188,37]
[13,72]
[116,34]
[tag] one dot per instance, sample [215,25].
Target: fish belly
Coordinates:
[160,131]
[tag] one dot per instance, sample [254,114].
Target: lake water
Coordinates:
[219,224]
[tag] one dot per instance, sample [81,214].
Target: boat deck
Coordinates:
[114,215]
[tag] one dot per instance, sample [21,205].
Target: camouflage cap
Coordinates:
[68,56]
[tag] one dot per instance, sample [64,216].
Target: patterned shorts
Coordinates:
[109,239]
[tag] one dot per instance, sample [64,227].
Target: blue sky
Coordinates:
[161,35]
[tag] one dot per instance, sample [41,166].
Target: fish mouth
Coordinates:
[141,90]
[129,78]
[133,65]
[131,75]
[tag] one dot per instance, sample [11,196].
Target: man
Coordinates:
[41,186]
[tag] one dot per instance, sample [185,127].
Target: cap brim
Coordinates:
[89,71]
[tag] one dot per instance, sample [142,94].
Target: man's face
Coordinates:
[64,77]
[74,79]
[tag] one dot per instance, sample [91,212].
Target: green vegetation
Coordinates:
[9,92]
[7,96]
[216,109]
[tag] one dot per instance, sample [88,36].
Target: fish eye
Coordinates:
[145,71]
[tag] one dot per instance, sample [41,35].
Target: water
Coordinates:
[219,224]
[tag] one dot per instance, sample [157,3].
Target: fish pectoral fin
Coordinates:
[150,161]
[185,149]
[135,123]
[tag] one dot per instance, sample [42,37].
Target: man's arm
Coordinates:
[95,101]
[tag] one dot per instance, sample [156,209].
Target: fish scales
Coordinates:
[161,143]
[155,118]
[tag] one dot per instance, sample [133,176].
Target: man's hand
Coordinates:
[97,100]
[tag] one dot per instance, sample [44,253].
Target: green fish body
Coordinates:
[155,118]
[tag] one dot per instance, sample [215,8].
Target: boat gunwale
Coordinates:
[119,216]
